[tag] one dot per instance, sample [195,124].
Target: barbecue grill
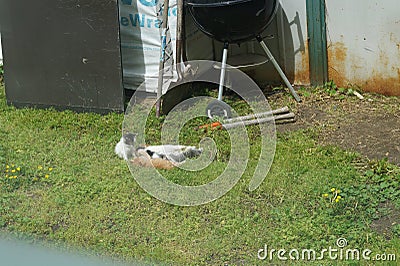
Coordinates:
[234,21]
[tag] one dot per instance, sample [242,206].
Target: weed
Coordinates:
[332,89]
[15,177]
[380,184]
[396,230]
[12,177]
[333,197]
[42,173]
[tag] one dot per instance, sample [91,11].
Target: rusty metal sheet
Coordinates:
[364,44]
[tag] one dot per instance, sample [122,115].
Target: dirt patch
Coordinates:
[375,135]
[385,224]
[370,126]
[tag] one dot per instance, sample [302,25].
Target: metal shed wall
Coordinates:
[64,54]
[364,44]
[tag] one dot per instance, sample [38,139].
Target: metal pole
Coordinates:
[258,115]
[278,68]
[223,70]
[179,39]
[259,121]
[164,27]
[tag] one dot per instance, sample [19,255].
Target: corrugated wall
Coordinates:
[364,44]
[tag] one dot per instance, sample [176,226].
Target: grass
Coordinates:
[90,200]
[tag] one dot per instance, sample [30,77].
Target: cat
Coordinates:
[125,148]
[158,156]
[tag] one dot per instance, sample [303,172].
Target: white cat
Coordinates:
[125,148]
[160,156]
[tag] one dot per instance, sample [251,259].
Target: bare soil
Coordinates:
[385,224]
[370,126]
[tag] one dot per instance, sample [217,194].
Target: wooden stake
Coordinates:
[164,27]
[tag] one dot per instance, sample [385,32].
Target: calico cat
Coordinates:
[158,156]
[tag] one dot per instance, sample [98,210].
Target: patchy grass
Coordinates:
[89,199]
[1,72]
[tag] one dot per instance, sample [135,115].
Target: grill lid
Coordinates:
[214,3]
[232,21]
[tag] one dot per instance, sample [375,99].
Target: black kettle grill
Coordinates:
[232,21]
[235,21]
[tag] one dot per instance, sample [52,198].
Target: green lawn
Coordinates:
[69,187]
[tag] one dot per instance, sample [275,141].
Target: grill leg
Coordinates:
[223,71]
[278,68]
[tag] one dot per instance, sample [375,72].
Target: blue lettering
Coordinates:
[173,11]
[148,3]
[124,21]
[126,2]
[149,21]
[136,20]
[141,20]
[157,23]
[143,2]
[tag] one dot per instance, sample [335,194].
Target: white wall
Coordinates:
[364,44]
[289,45]
[295,9]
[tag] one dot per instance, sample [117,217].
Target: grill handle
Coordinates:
[218,4]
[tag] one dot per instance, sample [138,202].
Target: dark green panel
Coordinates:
[317,41]
[64,54]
